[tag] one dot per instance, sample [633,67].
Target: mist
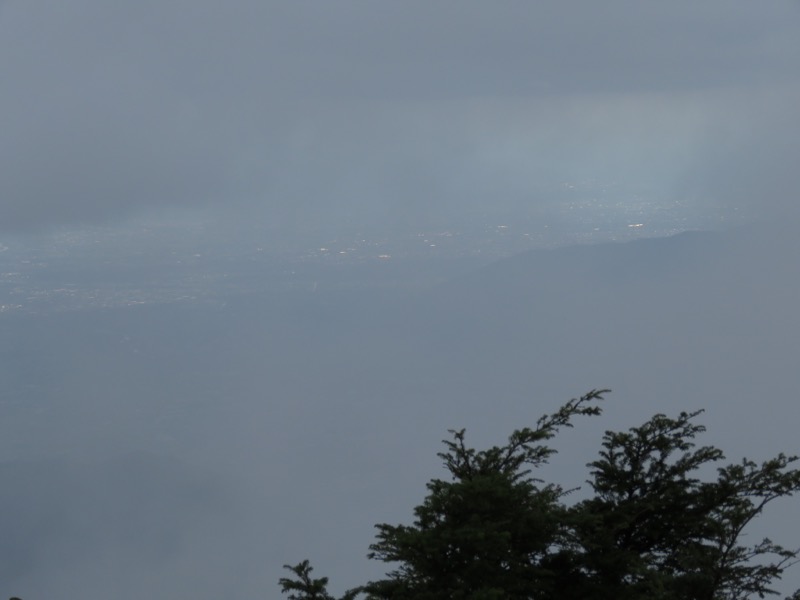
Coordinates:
[256,260]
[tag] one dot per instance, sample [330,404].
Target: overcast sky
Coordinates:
[324,408]
[355,112]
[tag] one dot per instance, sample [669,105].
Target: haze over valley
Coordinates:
[274,397]
[256,260]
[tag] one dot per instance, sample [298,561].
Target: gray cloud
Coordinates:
[364,111]
[294,410]
[282,425]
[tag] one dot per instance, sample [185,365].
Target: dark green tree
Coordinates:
[304,587]
[652,528]
[484,532]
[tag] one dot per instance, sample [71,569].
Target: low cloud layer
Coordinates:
[183,413]
[355,112]
[190,450]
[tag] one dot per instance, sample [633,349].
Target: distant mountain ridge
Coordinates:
[605,262]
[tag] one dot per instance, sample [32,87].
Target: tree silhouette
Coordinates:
[653,529]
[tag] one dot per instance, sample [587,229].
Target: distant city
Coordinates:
[189,261]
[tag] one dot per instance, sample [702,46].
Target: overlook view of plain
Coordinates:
[256,258]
